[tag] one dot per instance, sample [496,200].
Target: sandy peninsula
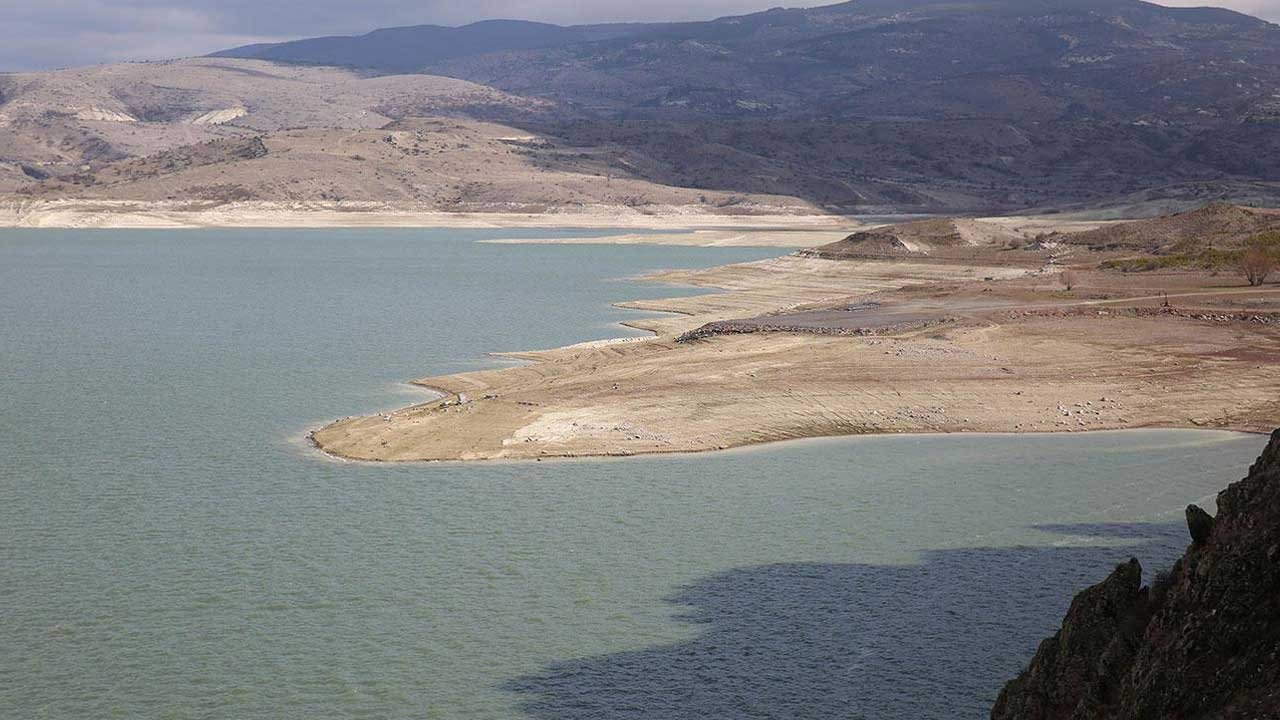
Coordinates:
[795,347]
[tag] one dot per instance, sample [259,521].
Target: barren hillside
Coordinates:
[1217,225]
[226,130]
[442,163]
[54,123]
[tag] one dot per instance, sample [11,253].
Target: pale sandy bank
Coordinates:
[1005,350]
[131,214]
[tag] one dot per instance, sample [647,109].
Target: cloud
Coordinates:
[67,33]
[1265,9]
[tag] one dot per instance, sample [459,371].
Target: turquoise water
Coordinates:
[171,548]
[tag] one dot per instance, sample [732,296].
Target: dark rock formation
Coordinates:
[1206,644]
[747,327]
[1199,524]
[1073,672]
[33,172]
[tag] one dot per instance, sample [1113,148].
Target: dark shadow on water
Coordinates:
[811,640]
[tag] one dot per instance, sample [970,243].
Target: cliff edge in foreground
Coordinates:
[1202,642]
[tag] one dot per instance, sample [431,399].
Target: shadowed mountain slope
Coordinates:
[1042,60]
[879,105]
[407,49]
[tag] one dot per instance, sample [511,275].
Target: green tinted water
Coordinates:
[170,548]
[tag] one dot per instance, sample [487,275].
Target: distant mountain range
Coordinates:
[410,49]
[1029,60]
[913,103]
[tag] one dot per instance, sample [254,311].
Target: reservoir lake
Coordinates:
[171,546]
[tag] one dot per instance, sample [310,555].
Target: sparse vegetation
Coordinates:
[1069,279]
[1255,265]
[1260,254]
[1203,260]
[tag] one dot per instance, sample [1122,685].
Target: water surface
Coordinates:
[169,548]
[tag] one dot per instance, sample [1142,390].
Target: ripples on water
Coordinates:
[823,640]
[167,550]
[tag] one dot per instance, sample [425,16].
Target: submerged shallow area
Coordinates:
[173,549]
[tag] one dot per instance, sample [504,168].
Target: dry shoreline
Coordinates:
[790,238]
[763,446]
[126,214]
[992,369]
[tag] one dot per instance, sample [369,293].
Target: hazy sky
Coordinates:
[36,34]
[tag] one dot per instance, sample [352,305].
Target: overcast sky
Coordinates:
[38,34]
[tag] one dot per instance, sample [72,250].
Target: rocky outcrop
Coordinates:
[1072,675]
[1203,642]
[747,327]
[1199,524]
